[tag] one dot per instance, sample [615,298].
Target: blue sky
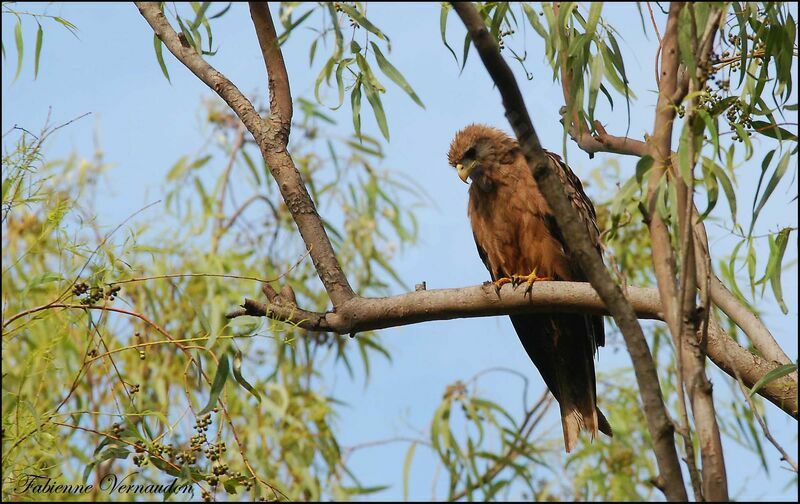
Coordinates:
[146,123]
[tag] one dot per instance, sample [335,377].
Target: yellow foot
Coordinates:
[530,279]
[501,282]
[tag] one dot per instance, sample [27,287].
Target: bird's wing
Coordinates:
[482,255]
[572,184]
[583,204]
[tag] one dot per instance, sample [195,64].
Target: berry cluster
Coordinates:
[501,35]
[92,294]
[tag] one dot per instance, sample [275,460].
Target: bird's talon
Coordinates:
[530,279]
[500,282]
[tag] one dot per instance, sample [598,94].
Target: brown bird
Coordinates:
[518,241]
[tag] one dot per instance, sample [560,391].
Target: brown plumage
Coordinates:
[516,233]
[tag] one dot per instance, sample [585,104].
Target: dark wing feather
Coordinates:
[585,208]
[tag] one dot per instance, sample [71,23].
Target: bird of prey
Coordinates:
[519,242]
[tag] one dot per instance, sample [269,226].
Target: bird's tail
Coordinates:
[562,347]
[576,387]
[581,413]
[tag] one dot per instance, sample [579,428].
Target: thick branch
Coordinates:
[576,236]
[290,183]
[270,135]
[365,314]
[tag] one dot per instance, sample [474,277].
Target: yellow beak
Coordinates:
[464,171]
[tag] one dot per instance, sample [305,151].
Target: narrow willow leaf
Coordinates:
[218,385]
[407,468]
[355,105]
[740,131]
[312,51]
[773,131]
[711,185]
[780,170]
[285,35]
[116,452]
[237,375]
[712,129]
[727,186]
[377,108]
[619,63]
[340,80]
[467,42]
[777,268]
[684,160]
[773,375]
[20,47]
[685,43]
[39,37]
[594,17]
[222,12]
[200,12]
[533,19]
[643,167]
[361,20]
[69,26]
[607,94]
[157,45]
[325,75]
[751,266]
[390,71]
[443,28]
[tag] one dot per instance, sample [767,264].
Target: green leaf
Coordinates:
[324,74]
[115,452]
[643,167]
[69,26]
[775,274]
[390,71]
[20,46]
[533,19]
[685,42]
[773,131]
[740,131]
[780,170]
[407,469]
[445,11]
[467,42]
[377,108]
[361,20]
[712,128]
[217,385]
[685,163]
[222,12]
[773,375]
[237,375]
[727,186]
[355,105]
[39,37]
[712,188]
[285,35]
[157,45]
[340,80]
[594,17]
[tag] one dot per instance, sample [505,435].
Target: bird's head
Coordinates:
[477,148]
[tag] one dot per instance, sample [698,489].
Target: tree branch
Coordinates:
[270,135]
[290,183]
[576,236]
[366,314]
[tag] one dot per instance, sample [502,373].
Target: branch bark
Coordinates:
[583,250]
[271,134]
